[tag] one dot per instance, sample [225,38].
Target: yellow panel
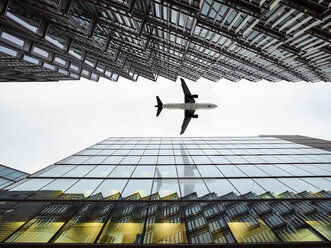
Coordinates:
[7,228]
[300,235]
[84,232]
[322,227]
[166,233]
[36,231]
[247,232]
[121,232]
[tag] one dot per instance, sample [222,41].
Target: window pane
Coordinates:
[122,171]
[299,185]
[166,160]
[32,185]
[144,171]
[140,187]
[83,188]
[113,160]
[95,160]
[79,171]
[220,186]
[272,185]
[245,186]
[166,187]
[148,160]
[166,171]
[219,160]
[187,171]
[57,171]
[130,160]
[100,171]
[196,187]
[110,189]
[209,171]
[251,170]
[231,171]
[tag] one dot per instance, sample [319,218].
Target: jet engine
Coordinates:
[194,116]
[195,96]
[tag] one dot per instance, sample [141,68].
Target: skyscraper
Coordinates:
[272,40]
[265,191]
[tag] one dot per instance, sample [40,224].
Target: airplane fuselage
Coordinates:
[189,106]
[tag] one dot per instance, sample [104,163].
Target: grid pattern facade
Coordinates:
[272,40]
[9,176]
[234,190]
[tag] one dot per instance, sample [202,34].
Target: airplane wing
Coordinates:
[187,119]
[187,93]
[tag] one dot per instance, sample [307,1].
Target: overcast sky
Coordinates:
[42,123]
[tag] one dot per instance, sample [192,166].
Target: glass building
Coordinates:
[274,40]
[267,191]
[9,175]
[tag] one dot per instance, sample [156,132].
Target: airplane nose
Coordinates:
[214,106]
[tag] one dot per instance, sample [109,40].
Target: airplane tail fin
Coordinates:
[159,106]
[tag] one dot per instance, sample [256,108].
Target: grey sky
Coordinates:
[42,123]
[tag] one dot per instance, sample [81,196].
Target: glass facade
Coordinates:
[9,175]
[273,40]
[213,190]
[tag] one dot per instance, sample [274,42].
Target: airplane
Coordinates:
[189,106]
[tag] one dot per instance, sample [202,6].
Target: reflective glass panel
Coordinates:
[122,171]
[83,188]
[79,171]
[196,187]
[110,188]
[166,171]
[57,171]
[140,187]
[166,187]
[144,171]
[100,171]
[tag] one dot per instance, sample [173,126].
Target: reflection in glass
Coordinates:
[83,188]
[32,185]
[209,171]
[299,185]
[85,226]
[144,171]
[196,187]
[110,189]
[113,160]
[251,170]
[220,186]
[231,171]
[166,160]
[38,230]
[252,232]
[125,225]
[275,187]
[100,171]
[54,189]
[166,233]
[79,171]
[166,171]
[130,160]
[187,171]
[57,171]
[122,171]
[148,160]
[245,186]
[166,187]
[141,187]
[95,160]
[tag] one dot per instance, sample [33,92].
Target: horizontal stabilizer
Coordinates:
[159,109]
